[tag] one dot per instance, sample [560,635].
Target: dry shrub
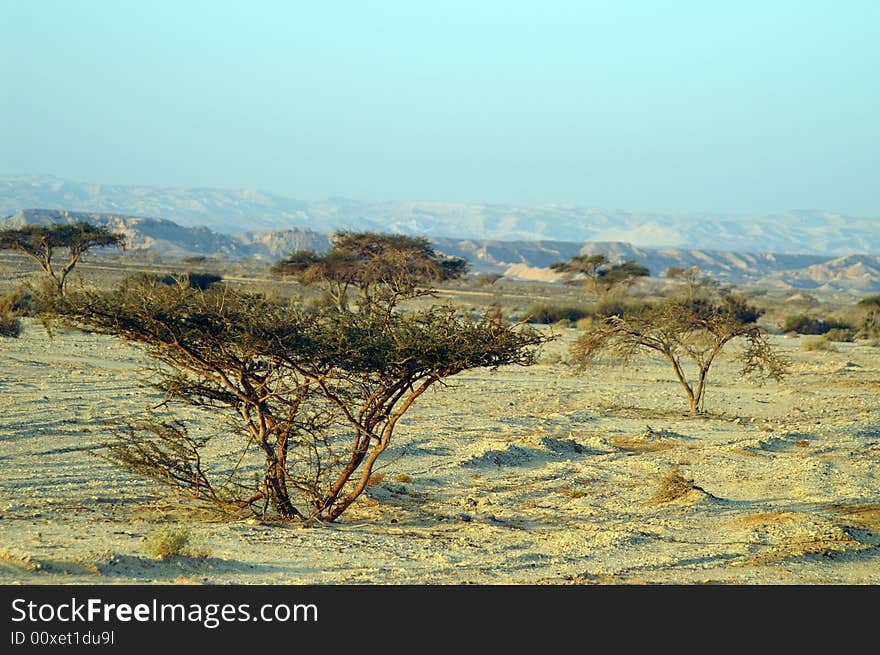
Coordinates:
[403,478]
[169,542]
[818,344]
[673,486]
[376,479]
[10,325]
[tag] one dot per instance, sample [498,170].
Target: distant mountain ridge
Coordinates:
[522,259]
[237,211]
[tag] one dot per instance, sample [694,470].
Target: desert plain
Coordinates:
[521,475]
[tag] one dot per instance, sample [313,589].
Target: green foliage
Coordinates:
[600,274]
[733,305]
[40,243]
[803,324]
[381,268]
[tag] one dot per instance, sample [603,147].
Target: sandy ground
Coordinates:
[520,476]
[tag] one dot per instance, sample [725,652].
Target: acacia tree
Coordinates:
[40,243]
[318,394]
[694,281]
[382,268]
[690,335]
[600,274]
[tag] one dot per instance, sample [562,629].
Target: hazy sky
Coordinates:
[658,105]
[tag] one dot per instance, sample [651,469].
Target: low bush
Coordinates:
[548,313]
[10,325]
[803,324]
[820,343]
[190,279]
[841,335]
[168,542]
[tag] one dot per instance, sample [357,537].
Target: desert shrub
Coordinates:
[611,306]
[10,325]
[190,279]
[168,542]
[841,335]
[548,313]
[817,343]
[803,324]
[20,302]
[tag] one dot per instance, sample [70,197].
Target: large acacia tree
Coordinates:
[41,243]
[690,334]
[315,396]
[381,268]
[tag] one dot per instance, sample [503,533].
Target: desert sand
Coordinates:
[517,476]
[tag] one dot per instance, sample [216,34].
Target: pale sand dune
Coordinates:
[519,476]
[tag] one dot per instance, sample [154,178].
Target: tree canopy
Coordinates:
[40,242]
[318,394]
[600,274]
[684,330]
[381,268]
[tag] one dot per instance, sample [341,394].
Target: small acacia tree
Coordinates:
[600,274]
[318,394]
[40,243]
[382,268]
[682,330]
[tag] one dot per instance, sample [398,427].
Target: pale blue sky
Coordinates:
[733,107]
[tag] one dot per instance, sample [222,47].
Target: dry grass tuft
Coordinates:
[169,542]
[674,486]
[640,445]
